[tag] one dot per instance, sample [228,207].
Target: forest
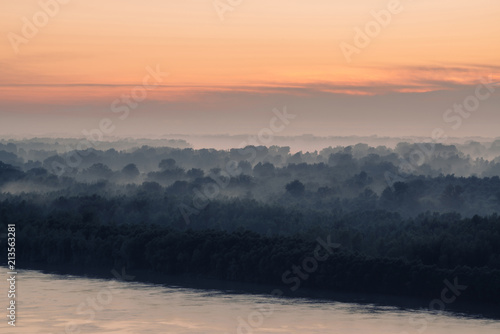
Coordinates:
[404,218]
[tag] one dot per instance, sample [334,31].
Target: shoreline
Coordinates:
[468,309]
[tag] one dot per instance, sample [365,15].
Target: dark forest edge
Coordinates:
[252,214]
[73,237]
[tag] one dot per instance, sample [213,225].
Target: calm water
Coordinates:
[54,303]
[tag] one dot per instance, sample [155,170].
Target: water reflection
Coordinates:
[66,304]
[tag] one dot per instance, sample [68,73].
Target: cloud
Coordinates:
[383,80]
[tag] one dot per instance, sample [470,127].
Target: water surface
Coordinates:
[57,304]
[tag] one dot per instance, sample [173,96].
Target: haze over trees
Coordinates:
[404,222]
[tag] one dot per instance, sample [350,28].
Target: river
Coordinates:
[57,304]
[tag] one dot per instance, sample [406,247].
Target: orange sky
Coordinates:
[101,48]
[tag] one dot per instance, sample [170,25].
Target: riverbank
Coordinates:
[52,303]
[458,307]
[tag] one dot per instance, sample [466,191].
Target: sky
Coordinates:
[157,67]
